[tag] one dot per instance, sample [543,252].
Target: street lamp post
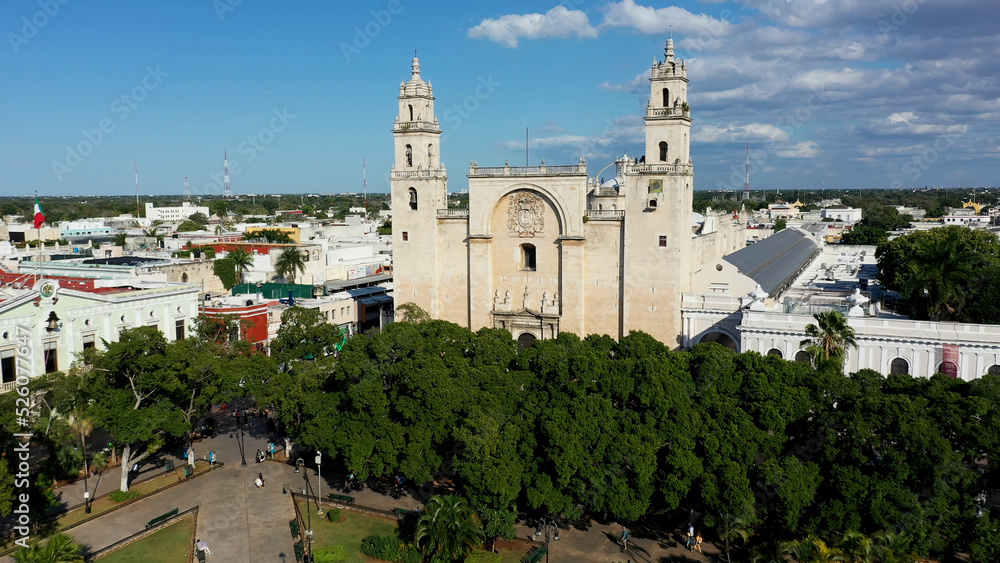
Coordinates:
[551,533]
[243,442]
[86,502]
[319,481]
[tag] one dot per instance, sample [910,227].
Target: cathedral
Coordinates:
[548,249]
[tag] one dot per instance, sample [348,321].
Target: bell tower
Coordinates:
[668,118]
[419,187]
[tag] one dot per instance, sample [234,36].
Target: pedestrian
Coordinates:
[260,477]
[259,482]
[697,543]
[202,546]
[689,543]
[624,538]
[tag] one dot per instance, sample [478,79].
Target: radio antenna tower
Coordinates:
[137,190]
[187,189]
[746,184]
[226,191]
[364,175]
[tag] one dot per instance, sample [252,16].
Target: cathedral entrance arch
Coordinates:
[526,340]
[722,339]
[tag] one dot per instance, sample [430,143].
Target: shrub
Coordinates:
[386,548]
[330,554]
[483,557]
[122,496]
[333,515]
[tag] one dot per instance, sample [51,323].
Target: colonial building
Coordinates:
[547,249]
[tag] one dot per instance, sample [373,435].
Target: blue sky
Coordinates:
[852,93]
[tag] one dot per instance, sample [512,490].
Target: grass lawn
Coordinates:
[172,544]
[356,526]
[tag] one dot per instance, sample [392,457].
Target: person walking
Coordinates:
[689,543]
[259,481]
[624,538]
[202,546]
[697,543]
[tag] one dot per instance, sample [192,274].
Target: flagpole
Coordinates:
[38,236]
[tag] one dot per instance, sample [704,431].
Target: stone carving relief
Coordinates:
[525,216]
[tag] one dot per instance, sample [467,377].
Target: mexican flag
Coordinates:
[39,216]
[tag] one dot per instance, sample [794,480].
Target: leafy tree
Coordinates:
[861,234]
[272,236]
[412,313]
[242,261]
[448,529]
[188,226]
[133,384]
[225,270]
[780,223]
[288,263]
[946,274]
[385,228]
[118,239]
[829,338]
[199,219]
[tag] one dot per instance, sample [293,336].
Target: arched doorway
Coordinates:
[722,339]
[899,366]
[775,352]
[948,368]
[803,357]
[526,340]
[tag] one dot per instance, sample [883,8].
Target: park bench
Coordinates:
[294,525]
[299,551]
[535,555]
[161,518]
[346,499]
[403,512]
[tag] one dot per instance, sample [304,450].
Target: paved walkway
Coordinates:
[243,524]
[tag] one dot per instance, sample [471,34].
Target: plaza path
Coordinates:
[243,524]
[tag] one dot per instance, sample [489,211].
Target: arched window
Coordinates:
[526,340]
[528,257]
[663,151]
[184,277]
[994,370]
[666,97]
[775,352]
[430,155]
[413,198]
[409,155]
[948,368]
[411,111]
[803,357]
[899,366]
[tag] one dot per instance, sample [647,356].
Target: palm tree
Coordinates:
[829,340]
[858,548]
[812,550]
[82,427]
[60,548]
[242,260]
[733,528]
[288,263]
[892,548]
[448,529]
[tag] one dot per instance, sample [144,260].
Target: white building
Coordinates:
[773,320]
[174,213]
[45,323]
[841,213]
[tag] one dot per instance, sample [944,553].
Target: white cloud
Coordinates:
[805,149]
[557,22]
[658,21]
[752,132]
[909,123]
[637,85]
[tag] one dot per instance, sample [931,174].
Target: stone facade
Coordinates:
[546,249]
